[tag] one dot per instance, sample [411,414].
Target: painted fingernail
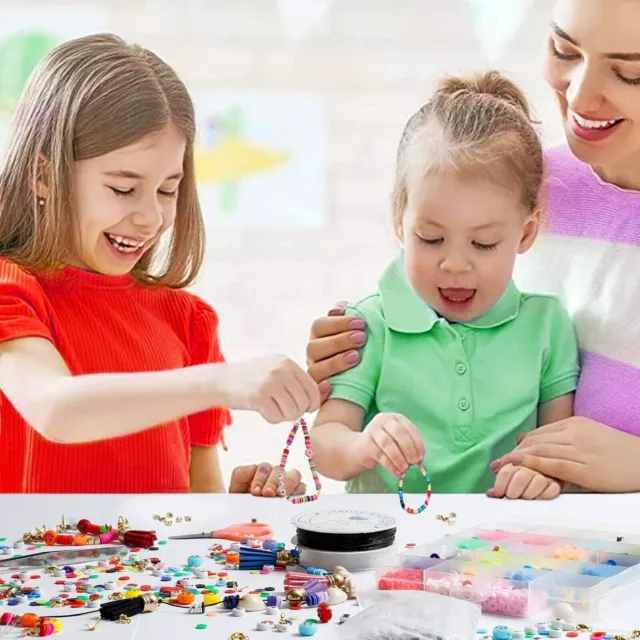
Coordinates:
[357,323]
[358,339]
[262,469]
[353,357]
[494,465]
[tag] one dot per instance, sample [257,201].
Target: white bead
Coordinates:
[563,611]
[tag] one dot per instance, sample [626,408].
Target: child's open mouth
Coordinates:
[457,298]
[124,245]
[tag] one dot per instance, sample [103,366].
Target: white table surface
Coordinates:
[617,513]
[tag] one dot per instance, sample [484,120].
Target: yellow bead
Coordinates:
[133,593]
[211,598]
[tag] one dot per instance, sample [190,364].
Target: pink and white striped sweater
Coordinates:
[589,255]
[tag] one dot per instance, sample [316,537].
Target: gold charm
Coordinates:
[124,619]
[187,518]
[583,628]
[123,524]
[95,625]
[238,636]
[65,525]
[116,595]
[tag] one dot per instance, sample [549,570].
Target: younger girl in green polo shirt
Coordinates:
[458,362]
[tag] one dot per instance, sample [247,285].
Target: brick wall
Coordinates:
[372,62]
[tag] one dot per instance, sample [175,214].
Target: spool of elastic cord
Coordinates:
[355,540]
[346,542]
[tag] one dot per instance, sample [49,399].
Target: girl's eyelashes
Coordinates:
[431,241]
[438,241]
[127,192]
[485,247]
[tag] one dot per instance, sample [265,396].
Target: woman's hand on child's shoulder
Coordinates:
[274,386]
[392,441]
[521,483]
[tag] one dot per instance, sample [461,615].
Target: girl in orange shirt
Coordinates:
[111,374]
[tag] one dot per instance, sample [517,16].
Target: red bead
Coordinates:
[94,596]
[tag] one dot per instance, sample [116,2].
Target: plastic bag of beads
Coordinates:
[419,615]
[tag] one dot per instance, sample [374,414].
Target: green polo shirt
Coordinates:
[470,388]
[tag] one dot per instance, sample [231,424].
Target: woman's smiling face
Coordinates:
[593,65]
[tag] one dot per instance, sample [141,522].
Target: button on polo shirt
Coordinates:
[471,388]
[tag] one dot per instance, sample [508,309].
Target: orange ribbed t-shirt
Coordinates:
[103,324]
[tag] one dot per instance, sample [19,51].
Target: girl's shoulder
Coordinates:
[18,280]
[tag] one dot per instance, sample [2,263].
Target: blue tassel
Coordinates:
[255,559]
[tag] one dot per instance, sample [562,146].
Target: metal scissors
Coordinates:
[235,532]
[63,557]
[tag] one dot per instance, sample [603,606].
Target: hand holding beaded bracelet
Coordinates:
[423,506]
[312,466]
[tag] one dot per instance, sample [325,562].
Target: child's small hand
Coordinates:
[519,482]
[393,441]
[275,386]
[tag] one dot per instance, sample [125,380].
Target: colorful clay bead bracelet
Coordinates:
[422,507]
[309,453]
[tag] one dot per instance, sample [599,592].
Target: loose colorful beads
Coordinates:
[422,507]
[312,466]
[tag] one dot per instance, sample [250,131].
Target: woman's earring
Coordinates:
[41,203]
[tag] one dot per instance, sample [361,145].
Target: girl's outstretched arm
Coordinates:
[91,407]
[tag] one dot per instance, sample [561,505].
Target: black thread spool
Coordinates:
[355,540]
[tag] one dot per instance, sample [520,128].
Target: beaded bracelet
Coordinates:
[422,507]
[309,453]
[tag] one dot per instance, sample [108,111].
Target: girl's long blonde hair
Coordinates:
[88,97]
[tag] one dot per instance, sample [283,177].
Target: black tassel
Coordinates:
[129,607]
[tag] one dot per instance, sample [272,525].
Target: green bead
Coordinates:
[162,542]
[83,598]
[201,626]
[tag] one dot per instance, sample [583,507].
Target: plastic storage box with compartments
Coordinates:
[521,570]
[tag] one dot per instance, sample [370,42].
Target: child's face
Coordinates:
[461,236]
[125,200]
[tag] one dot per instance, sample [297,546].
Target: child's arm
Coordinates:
[205,474]
[555,410]
[342,450]
[87,408]
[336,431]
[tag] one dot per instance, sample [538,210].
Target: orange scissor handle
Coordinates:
[244,531]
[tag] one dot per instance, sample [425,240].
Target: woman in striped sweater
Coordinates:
[588,254]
